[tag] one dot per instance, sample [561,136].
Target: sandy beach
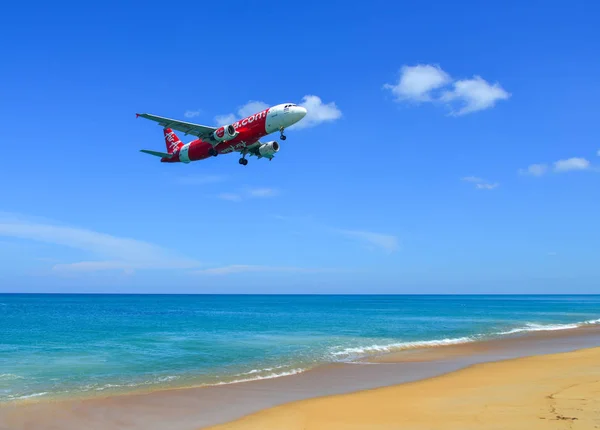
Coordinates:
[558,391]
[544,379]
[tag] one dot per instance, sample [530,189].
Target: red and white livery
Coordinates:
[242,136]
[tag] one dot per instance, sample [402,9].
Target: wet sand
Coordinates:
[560,391]
[193,408]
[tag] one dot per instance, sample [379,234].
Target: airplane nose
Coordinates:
[301,111]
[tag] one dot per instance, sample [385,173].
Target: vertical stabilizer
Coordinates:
[172,141]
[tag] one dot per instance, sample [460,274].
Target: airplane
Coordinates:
[241,136]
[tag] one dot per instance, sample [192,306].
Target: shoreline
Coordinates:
[551,391]
[194,407]
[385,353]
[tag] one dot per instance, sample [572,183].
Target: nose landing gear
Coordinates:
[282,136]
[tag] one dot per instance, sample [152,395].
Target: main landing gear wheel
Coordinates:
[243,161]
[213,152]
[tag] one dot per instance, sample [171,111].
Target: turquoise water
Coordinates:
[81,345]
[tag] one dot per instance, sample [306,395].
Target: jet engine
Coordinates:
[225,133]
[268,149]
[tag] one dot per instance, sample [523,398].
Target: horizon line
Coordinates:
[297,294]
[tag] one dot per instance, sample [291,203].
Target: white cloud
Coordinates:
[474,95]
[560,166]
[96,266]
[192,113]
[248,109]
[246,268]
[252,107]
[109,252]
[487,186]
[571,164]
[480,183]
[417,82]
[317,112]
[225,119]
[249,193]
[424,82]
[386,242]
[534,170]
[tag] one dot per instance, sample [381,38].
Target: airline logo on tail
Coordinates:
[172,141]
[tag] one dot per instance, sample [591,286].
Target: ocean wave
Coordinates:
[266,369]
[164,379]
[26,396]
[531,327]
[353,353]
[159,380]
[540,327]
[9,377]
[260,377]
[362,351]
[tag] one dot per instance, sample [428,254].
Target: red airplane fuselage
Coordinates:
[249,130]
[249,133]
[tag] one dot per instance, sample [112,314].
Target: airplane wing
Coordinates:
[202,131]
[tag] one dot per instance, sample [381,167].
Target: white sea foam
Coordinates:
[260,377]
[104,387]
[266,369]
[530,327]
[27,396]
[159,380]
[167,378]
[353,353]
[361,351]
[164,379]
[9,377]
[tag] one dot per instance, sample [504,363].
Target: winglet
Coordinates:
[137,115]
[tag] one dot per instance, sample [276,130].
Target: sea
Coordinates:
[78,345]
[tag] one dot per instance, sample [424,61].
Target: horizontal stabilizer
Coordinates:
[157,153]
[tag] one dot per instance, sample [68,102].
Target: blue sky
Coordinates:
[450,148]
